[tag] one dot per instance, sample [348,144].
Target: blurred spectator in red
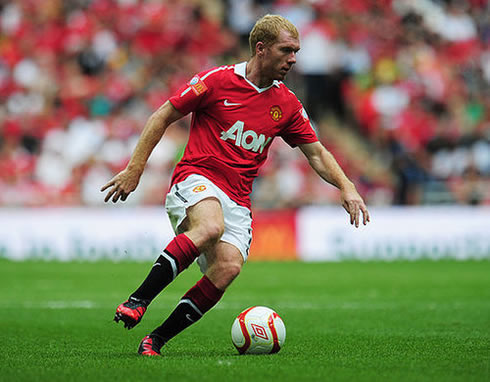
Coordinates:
[399,89]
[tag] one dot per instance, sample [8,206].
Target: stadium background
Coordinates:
[398,91]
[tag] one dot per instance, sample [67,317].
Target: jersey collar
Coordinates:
[241,70]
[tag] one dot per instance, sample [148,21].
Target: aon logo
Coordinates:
[249,139]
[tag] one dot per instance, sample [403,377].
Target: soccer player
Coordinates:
[237,112]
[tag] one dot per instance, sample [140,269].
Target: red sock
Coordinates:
[204,294]
[183,250]
[197,301]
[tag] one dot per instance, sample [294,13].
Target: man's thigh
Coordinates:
[187,196]
[199,195]
[203,212]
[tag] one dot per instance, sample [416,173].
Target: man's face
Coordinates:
[280,57]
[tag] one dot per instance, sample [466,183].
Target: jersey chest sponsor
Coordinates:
[248,139]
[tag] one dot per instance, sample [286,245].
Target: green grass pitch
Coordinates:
[352,321]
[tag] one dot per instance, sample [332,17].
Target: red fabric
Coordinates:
[50,38]
[323,26]
[10,53]
[368,115]
[229,141]
[461,52]
[184,250]
[204,294]
[415,127]
[207,39]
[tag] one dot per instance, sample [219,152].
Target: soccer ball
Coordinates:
[258,330]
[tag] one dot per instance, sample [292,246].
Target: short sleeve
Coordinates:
[299,130]
[191,96]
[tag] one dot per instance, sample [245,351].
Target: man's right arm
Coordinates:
[127,180]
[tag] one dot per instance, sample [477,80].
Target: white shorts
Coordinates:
[238,219]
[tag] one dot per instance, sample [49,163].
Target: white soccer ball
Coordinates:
[258,330]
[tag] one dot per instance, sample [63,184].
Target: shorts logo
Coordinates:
[197,85]
[199,188]
[275,113]
[260,331]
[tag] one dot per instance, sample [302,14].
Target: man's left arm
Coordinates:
[325,165]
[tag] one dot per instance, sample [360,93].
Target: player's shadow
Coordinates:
[197,353]
[131,355]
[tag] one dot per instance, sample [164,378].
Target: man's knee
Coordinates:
[215,230]
[231,271]
[222,274]
[211,232]
[206,234]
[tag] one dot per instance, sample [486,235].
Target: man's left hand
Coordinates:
[354,205]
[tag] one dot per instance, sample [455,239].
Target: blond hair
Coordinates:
[267,30]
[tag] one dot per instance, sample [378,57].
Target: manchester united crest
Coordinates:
[275,113]
[200,188]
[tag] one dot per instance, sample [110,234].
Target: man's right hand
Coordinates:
[127,180]
[122,185]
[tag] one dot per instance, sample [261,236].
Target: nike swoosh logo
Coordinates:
[231,103]
[188,316]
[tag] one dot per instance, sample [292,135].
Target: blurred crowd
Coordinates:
[398,90]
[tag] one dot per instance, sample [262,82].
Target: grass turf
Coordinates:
[352,321]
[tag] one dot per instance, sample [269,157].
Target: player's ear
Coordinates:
[259,48]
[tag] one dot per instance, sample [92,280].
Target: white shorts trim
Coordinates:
[238,219]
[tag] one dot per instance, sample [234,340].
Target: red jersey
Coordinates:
[233,125]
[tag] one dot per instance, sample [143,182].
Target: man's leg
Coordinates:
[205,223]
[224,264]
